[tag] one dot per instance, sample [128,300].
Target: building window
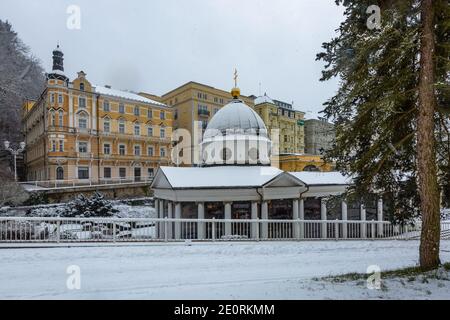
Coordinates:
[162,115]
[162,152]
[107,173]
[122,126]
[82,122]
[137,112]
[162,133]
[53,146]
[150,131]
[53,118]
[81,102]
[82,147]
[106,148]
[137,150]
[60,98]
[149,113]
[137,129]
[52,98]
[81,86]
[122,173]
[61,118]
[106,126]
[122,149]
[151,172]
[60,173]
[106,107]
[150,151]
[61,145]
[121,108]
[83,173]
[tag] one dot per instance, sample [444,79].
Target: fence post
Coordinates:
[58,231]
[257,229]
[213,230]
[336,229]
[114,231]
[372,229]
[165,230]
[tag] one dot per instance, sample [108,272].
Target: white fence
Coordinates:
[62,230]
[83,183]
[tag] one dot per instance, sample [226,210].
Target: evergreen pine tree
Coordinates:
[392,107]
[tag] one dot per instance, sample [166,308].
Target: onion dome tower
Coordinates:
[58,66]
[236,135]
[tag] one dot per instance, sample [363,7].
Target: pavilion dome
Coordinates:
[235,118]
[236,135]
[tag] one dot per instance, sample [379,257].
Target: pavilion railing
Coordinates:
[78,230]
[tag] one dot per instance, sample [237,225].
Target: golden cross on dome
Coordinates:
[235,78]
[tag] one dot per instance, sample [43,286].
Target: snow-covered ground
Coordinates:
[278,270]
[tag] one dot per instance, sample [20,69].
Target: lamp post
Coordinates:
[15,153]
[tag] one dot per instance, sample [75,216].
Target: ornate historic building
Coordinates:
[79,131]
[281,116]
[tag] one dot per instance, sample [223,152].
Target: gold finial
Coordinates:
[235,92]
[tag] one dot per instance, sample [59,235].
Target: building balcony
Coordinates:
[61,129]
[85,155]
[204,113]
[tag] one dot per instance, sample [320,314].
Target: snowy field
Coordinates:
[278,270]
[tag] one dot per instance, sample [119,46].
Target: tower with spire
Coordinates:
[58,66]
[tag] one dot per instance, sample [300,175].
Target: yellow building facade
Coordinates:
[77,131]
[281,116]
[193,105]
[303,162]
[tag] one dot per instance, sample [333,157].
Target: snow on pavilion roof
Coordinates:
[126,95]
[322,178]
[240,176]
[219,177]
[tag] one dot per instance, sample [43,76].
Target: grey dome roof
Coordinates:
[236,118]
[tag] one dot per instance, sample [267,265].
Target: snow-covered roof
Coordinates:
[216,177]
[126,95]
[322,178]
[263,99]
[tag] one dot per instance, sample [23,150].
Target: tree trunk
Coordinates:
[426,155]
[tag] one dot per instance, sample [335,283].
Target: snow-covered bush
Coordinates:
[82,207]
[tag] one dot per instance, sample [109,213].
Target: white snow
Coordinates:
[322,178]
[231,176]
[126,95]
[278,270]
[263,99]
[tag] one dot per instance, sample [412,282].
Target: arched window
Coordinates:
[83,120]
[61,118]
[53,118]
[60,173]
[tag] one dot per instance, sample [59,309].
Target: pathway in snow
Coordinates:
[278,270]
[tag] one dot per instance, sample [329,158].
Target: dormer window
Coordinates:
[81,86]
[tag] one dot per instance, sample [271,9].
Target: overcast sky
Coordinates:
[156,46]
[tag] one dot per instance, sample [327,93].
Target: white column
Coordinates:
[228,217]
[363,218]
[255,225]
[323,217]
[157,215]
[380,216]
[301,209]
[295,217]
[264,216]
[200,224]
[178,224]
[170,216]
[161,216]
[344,217]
